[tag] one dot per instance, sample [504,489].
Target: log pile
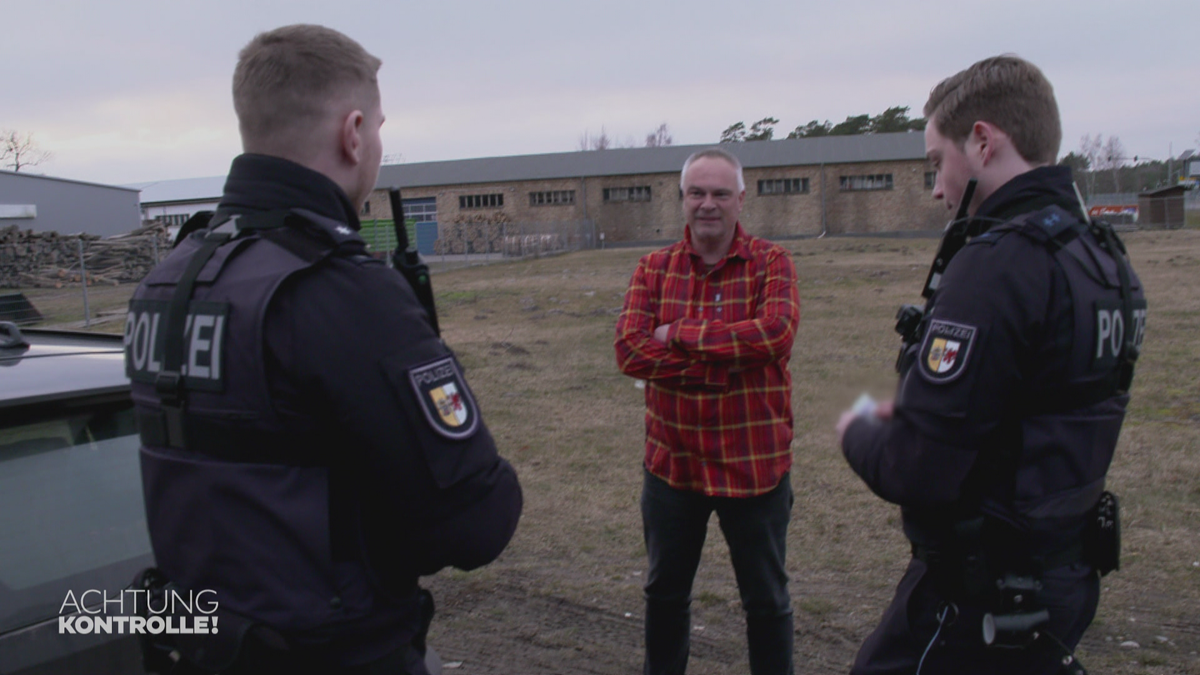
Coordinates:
[477,233]
[51,260]
[520,246]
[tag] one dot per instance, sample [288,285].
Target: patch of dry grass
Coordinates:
[63,307]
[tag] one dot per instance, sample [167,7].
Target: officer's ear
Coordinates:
[986,140]
[351,137]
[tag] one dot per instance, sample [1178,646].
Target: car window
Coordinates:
[71,513]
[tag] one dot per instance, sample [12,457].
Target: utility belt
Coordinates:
[968,567]
[239,645]
[970,574]
[1007,583]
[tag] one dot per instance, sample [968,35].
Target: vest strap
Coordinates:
[169,382]
[168,428]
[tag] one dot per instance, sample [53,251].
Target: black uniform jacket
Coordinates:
[1007,323]
[339,344]
[355,379]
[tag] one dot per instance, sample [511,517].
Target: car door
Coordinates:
[72,534]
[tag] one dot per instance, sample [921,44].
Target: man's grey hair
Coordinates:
[716,153]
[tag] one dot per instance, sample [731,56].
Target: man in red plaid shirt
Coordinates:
[709,324]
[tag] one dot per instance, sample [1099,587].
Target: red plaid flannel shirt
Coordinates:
[718,392]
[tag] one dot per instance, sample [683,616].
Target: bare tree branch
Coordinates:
[602,141]
[660,137]
[1114,154]
[19,150]
[1090,149]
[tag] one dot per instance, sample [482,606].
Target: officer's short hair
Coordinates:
[286,80]
[1008,92]
[714,153]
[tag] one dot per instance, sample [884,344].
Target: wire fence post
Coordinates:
[87,315]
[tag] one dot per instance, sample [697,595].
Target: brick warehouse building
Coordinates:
[803,187]
[834,184]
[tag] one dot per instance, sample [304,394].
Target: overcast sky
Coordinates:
[131,90]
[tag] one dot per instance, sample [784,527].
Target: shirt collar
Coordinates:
[739,247]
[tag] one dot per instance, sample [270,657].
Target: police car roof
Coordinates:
[61,364]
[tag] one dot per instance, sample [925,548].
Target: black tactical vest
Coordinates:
[236,501]
[1066,425]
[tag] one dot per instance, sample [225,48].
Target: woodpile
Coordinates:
[51,260]
[533,244]
[477,233]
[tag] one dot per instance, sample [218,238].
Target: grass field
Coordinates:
[536,340]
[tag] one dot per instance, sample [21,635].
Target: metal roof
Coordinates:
[182,190]
[619,162]
[1168,191]
[38,176]
[669,159]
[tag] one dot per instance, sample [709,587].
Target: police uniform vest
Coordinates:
[1035,495]
[260,524]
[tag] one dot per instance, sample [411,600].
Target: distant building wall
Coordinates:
[859,197]
[66,206]
[1162,208]
[796,187]
[175,214]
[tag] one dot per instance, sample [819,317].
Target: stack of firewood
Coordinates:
[51,260]
[522,245]
[477,233]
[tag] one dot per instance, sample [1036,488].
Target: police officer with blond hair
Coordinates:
[309,444]
[1013,388]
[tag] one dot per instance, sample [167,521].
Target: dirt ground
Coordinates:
[565,597]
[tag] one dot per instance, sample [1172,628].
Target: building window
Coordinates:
[930,179]
[878,181]
[783,186]
[421,210]
[492,201]
[174,220]
[552,198]
[366,209]
[630,194]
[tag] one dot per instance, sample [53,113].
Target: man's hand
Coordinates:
[883,411]
[660,333]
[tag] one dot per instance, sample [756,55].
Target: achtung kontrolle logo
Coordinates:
[137,611]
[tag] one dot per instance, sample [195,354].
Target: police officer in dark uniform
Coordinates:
[1013,389]
[310,447]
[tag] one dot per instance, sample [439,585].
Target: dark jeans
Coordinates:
[675,523]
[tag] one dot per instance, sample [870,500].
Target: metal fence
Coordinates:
[380,235]
[73,281]
[520,240]
[1191,199]
[482,241]
[84,282]
[1122,208]
[1112,199]
[73,307]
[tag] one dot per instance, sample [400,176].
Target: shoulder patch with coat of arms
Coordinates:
[945,350]
[445,399]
